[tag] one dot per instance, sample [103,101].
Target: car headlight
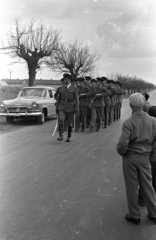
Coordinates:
[2,105]
[34,104]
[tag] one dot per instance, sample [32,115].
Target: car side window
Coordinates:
[50,93]
[44,93]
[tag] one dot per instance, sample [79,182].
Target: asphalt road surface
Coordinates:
[52,190]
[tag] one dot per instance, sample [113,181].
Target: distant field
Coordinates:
[7,93]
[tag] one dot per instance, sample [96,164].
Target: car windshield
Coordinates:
[33,92]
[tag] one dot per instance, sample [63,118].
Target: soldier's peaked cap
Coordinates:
[117,83]
[88,78]
[82,79]
[111,81]
[93,80]
[98,79]
[104,78]
[67,75]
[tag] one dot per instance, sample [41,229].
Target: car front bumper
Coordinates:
[31,114]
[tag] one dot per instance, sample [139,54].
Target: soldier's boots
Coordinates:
[92,128]
[60,138]
[69,134]
[83,127]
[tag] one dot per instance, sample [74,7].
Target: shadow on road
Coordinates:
[19,123]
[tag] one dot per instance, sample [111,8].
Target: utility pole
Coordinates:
[10,71]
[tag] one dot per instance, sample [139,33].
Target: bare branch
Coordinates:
[75,58]
[31,42]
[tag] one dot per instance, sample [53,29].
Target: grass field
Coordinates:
[7,93]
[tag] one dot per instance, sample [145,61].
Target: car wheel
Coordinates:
[9,119]
[41,119]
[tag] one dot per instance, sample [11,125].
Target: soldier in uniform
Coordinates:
[107,103]
[84,94]
[97,110]
[120,92]
[67,105]
[58,89]
[88,84]
[112,100]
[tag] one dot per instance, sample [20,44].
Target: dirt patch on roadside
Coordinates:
[16,125]
[7,127]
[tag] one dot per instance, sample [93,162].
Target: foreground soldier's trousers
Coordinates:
[137,171]
[68,116]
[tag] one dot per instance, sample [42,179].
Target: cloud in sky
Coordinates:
[129,34]
[118,29]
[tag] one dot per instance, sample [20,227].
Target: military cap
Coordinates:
[152,111]
[146,95]
[98,79]
[67,75]
[118,83]
[82,79]
[104,78]
[93,80]
[111,81]
[87,78]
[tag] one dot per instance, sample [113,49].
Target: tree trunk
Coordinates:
[32,76]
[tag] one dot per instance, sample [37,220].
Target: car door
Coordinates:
[51,102]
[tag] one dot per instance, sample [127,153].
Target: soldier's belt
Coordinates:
[67,100]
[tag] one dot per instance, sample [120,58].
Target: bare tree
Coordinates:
[75,58]
[31,43]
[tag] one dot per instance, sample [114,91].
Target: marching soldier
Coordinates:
[97,109]
[120,92]
[112,100]
[58,89]
[84,94]
[67,105]
[88,84]
[107,103]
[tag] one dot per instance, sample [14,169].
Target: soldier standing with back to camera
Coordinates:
[67,105]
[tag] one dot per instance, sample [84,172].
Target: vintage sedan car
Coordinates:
[34,101]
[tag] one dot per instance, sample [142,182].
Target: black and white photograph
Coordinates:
[78,120]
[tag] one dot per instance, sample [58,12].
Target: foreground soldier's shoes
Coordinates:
[153,219]
[60,138]
[68,140]
[132,220]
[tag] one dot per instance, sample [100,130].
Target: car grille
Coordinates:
[17,109]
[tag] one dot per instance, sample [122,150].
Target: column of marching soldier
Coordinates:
[96,103]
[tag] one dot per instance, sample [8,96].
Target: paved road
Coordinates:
[52,190]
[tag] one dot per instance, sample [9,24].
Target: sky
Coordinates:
[123,32]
